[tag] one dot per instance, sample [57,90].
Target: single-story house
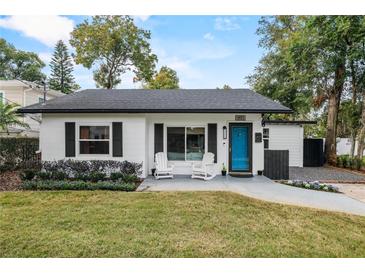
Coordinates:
[133,125]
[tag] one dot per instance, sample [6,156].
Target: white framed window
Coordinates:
[185,143]
[265,137]
[94,139]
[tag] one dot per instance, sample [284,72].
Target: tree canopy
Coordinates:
[166,78]
[18,64]
[61,70]
[308,65]
[114,44]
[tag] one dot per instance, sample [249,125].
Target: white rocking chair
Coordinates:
[204,170]
[163,169]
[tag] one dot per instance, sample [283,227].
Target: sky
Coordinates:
[206,51]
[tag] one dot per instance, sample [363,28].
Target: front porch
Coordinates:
[186,183]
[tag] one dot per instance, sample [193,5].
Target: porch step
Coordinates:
[241,174]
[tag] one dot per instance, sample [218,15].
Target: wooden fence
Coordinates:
[276,164]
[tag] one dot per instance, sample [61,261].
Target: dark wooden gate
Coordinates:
[276,164]
[313,152]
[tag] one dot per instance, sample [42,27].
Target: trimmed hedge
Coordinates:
[77,185]
[88,170]
[18,153]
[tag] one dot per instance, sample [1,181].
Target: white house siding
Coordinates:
[138,136]
[287,137]
[182,167]
[52,136]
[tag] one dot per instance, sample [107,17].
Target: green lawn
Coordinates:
[200,224]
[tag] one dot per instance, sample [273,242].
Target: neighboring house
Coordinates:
[24,93]
[286,135]
[133,125]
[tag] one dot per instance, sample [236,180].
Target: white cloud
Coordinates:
[226,24]
[208,36]
[46,29]
[143,18]
[46,57]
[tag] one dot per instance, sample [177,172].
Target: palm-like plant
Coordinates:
[9,117]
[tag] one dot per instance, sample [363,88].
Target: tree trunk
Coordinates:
[353,143]
[361,138]
[333,106]
[353,100]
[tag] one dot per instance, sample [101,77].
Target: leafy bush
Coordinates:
[129,178]
[115,176]
[339,161]
[27,174]
[59,175]
[357,163]
[346,161]
[97,176]
[77,185]
[43,175]
[311,185]
[350,162]
[78,169]
[18,153]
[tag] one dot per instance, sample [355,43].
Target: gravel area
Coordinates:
[323,173]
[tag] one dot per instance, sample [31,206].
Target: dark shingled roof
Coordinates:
[159,101]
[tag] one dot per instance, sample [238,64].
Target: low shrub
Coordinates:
[28,174]
[44,175]
[78,169]
[115,176]
[97,176]
[316,185]
[77,185]
[357,163]
[346,161]
[339,161]
[59,175]
[129,178]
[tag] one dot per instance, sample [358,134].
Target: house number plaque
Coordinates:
[240,118]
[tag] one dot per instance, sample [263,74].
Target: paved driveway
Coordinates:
[260,187]
[356,191]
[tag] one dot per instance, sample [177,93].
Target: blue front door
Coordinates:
[240,152]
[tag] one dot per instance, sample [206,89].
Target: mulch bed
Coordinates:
[10,181]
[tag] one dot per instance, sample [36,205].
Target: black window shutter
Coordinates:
[70,139]
[212,140]
[158,138]
[117,139]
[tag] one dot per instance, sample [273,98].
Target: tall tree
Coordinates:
[9,117]
[18,64]
[166,78]
[61,70]
[115,45]
[308,55]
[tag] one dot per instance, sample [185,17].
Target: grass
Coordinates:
[200,224]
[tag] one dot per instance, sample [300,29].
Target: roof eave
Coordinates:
[25,110]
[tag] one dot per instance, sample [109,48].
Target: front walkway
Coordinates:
[260,187]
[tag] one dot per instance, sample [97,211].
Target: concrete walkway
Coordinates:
[260,187]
